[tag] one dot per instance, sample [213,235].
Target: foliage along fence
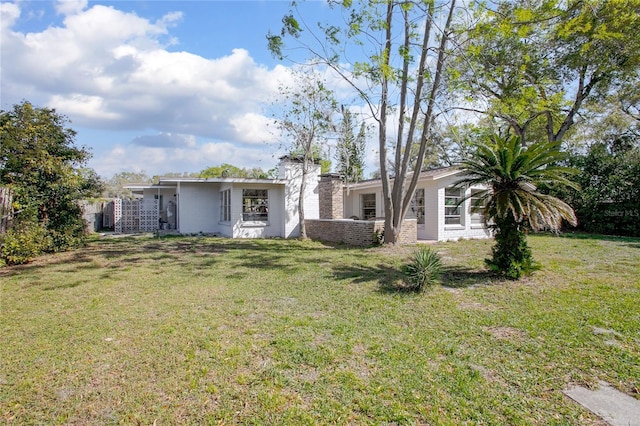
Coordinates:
[6,198]
[610,218]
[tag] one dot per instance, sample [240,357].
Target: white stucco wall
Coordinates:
[434,227]
[292,172]
[465,229]
[273,227]
[199,207]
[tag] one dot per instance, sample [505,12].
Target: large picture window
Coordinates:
[225,205]
[476,213]
[452,209]
[255,205]
[368,206]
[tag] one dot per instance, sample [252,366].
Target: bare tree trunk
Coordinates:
[389,231]
[402,194]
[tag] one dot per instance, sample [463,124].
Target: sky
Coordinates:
[154,86]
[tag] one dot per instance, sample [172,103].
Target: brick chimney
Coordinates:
[331,196]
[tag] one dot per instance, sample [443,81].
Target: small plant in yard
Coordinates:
[378,237]
[424,270]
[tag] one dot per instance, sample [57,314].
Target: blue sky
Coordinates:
[154,86]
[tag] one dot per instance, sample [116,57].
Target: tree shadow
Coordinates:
[389,279]
[114,253]
[463,277]
[196,252]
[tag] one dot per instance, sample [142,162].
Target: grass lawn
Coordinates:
[196,330]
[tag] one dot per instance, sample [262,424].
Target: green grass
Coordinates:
[214,331]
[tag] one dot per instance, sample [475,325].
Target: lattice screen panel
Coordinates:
[148,215]
[135,216]
[130,216]
[117,216]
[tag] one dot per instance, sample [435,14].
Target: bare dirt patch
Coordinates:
[505,333]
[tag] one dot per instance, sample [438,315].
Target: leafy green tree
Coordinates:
[350,149]
[531,66]
[401,49]
[114,187]
[513,205]
[224,170]
[41,163]
[229,170]
[305,117]
[609,177]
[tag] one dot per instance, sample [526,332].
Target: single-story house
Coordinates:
[435,205]
[263,208]
[232,207]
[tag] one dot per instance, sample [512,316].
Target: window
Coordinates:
[255,205]
[476,213]
[452,210]
[416,211]
[225,206]
[368,206]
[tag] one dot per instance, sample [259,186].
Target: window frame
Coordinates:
[225,205]
[368,206]
[452,208]
[257,201]
[475,219]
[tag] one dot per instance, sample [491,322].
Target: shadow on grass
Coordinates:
[386,276]
[461,277]
[115,253]
[196,252]
[392,280]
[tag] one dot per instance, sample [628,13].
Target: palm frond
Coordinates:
[513,174]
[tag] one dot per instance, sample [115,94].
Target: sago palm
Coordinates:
[512,203]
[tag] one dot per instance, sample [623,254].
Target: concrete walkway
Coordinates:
[616,408]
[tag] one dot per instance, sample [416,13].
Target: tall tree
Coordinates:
[114,187]
[229,170]
[41,163]
[350,149]
[512,203]
[532,65]
[404,47]
[607,153]
[305,117]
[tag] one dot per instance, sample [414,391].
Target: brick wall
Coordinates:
[330,196]
[359,233]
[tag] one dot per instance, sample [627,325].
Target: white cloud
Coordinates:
[253,128]
[117,71]
[9,13]
[109,69]
[70,7]
[159,160]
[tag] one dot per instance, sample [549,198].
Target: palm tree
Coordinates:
[512,203]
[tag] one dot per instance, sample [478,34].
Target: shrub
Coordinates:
[21,244]
[424,270]
[511,254]
[378,237]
